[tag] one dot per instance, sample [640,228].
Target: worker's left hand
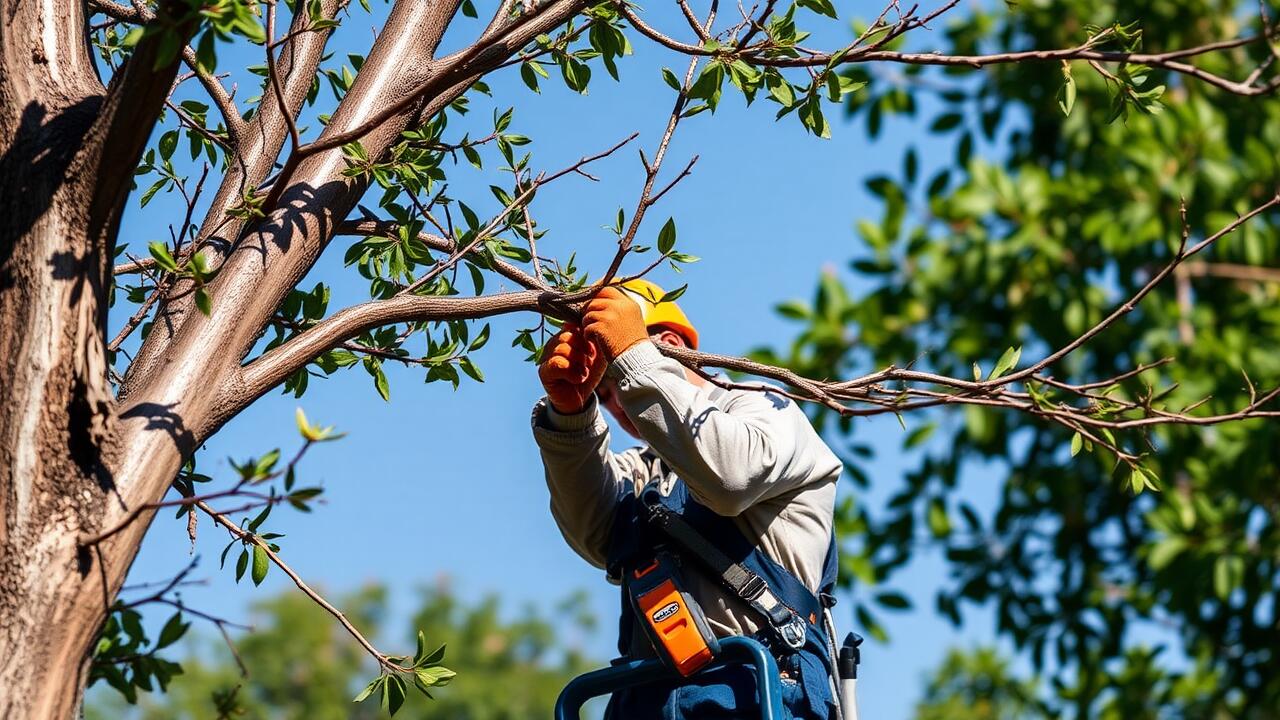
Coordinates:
[614,321]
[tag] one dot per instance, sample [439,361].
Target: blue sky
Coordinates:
[439,484]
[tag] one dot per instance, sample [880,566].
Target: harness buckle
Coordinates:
[753,588]
[793,632]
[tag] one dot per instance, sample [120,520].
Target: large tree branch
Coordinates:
[133,104]
[254,155]
[912,389]
[456,71]
[140,14]
[277,365]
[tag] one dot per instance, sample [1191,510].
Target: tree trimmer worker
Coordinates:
[726,514]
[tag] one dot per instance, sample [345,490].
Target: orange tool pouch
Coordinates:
[674,623]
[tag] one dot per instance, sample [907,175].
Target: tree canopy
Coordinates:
[1127,603]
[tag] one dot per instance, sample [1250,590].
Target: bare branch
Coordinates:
[381,228]
[1170,61]
[306,589]
[1128,306]
[485,233]
[274,75]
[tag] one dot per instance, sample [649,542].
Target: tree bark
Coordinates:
[56,416]
[61,192]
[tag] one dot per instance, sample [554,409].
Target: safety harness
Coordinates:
[672,534]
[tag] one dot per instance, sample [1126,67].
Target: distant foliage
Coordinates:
[302,666]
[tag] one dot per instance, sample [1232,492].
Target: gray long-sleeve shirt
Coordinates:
[749,455]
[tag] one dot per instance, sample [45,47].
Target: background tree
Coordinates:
[1151,605]
[976,685]
[96,429]
[298,664]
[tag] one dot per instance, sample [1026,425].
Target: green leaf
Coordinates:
[481,338]
[822,7]
[529,76]
[160,253]
[780,89]
[893,600]
[1007,361]
[1137,481]
[370,688]
[433,676]
[242,564]
[946,122]
[667,236]
[794,309]
[673,295]
[380,382]
[1077,442]
[433,659]
[393,692]
[203,303]
[1228,574]
[939,523]
[266,463]
[1067,95]
[421,651]
[470,369]
[168,143]
[919,435]
[172,631]
[262,516]
[131,38]
[1165,551]
[260,564]
[670,79]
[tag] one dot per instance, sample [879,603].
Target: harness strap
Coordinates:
[786,622]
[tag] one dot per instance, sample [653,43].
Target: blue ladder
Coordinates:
[632,673]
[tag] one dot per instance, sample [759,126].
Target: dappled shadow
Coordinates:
[35,163]
[163,418]
[303,209]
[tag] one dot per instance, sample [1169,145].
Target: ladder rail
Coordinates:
[634,673]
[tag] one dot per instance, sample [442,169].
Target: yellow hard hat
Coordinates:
[667,314]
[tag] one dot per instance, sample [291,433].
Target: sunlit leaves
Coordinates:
[1006,362]
[423,671]
[314,433]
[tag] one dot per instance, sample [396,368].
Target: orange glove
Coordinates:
[571,369]
[614,321]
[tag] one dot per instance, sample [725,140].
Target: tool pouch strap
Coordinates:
[786,623]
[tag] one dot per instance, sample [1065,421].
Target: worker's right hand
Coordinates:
[572,366]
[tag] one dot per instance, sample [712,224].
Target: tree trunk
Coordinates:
[64,138]
[56,413]
[73,460]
